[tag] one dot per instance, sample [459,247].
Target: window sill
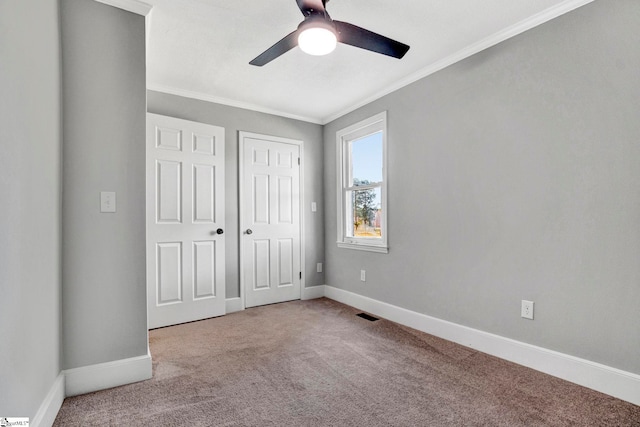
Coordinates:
[364,247]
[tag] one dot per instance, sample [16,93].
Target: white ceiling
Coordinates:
[202,48]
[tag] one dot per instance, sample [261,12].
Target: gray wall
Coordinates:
[104,291]
[514,175]
[237,119]
[30,127]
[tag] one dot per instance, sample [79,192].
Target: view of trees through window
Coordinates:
[366,172]
[366,211]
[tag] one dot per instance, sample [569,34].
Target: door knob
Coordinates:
[249,231]
[219,231]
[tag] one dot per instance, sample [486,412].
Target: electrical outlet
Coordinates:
[107,201]
[363,275]
[527,309]
[319,267]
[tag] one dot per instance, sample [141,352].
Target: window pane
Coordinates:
[366,214]
[366,159]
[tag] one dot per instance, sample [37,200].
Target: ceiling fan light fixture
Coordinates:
[318,34]
[317,40]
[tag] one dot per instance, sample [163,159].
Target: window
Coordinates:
[362,185]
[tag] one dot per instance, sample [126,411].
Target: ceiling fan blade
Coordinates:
[307,7]
[283,46]
[365,39]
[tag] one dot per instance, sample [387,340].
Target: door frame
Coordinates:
[241,226]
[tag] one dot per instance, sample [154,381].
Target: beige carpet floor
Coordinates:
[315,363]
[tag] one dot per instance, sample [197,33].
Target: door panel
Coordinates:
[204,269]
[169,191]
[204,144]
[261,264]
[260,199]
[185,208]
[285,204]
[169,272]
[270,219]
[285,262]
[168,138]
[204,177]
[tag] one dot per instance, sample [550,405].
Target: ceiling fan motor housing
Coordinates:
[317,21]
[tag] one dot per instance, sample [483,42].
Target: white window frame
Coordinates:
[359,130]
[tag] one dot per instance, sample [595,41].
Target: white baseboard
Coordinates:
[51,404]
[313,292]
[605,379]
[106,375]
[233,305]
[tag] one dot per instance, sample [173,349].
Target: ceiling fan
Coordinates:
[318,35]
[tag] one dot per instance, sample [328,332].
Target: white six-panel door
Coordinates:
[270,223]
[185,221]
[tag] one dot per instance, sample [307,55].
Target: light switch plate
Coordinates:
[314,207]
[108,201]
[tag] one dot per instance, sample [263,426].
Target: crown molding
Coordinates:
[133,6]
[229,102]
[492,40]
